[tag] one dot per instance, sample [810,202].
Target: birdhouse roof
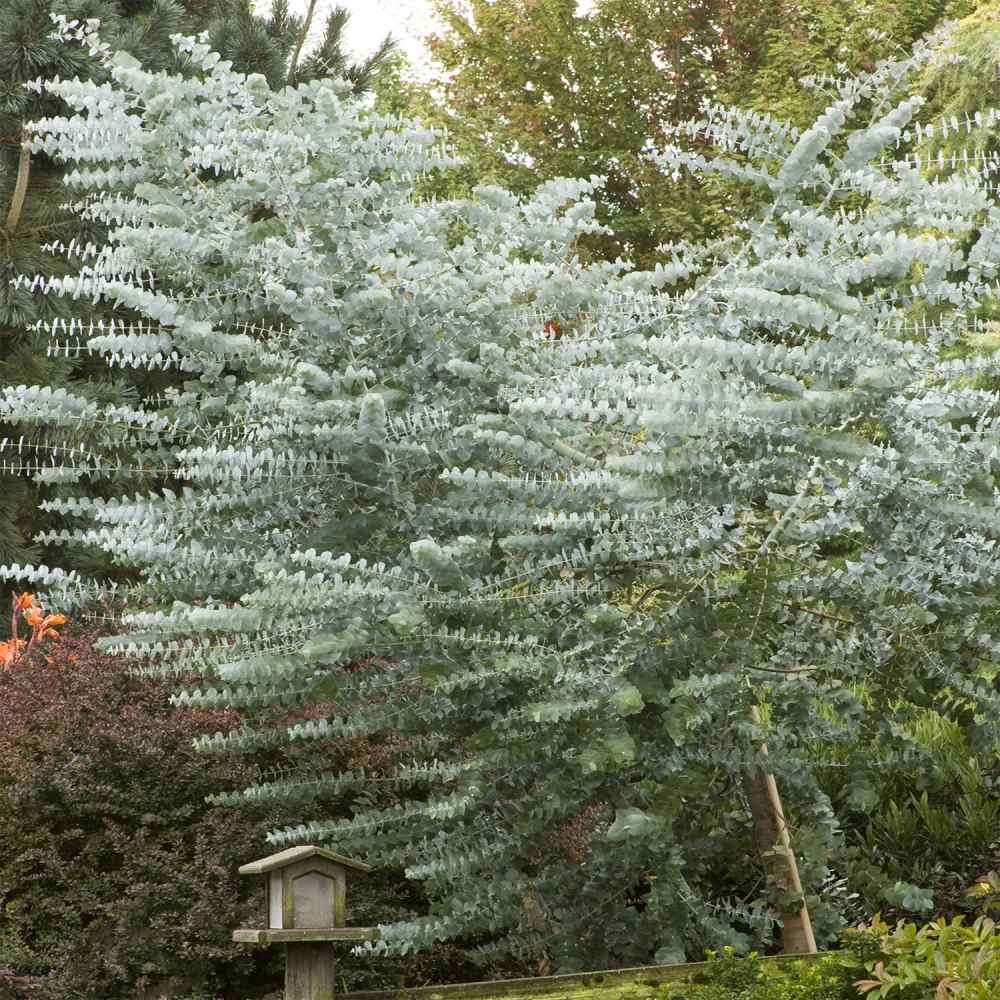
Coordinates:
[293,854]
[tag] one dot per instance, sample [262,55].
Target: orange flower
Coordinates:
[44,630]
[10,652]
[41,624]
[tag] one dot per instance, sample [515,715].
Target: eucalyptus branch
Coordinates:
[819,614]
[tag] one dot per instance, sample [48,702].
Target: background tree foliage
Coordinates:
[812,38]
[535,89]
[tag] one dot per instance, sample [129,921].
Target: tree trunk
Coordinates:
[772,836]
[20,187]
[304,34]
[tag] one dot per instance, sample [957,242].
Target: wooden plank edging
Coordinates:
[643,975]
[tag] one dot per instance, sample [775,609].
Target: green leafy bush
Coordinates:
[919,804]
[944,959]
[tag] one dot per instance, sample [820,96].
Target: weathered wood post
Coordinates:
[775,844]
[306,891]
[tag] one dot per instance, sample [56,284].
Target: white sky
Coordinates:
[371,20]
[408,21]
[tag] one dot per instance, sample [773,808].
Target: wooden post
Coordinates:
[305,892]
[772,834]
[310,971]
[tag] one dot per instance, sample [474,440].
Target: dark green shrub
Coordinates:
[919,803]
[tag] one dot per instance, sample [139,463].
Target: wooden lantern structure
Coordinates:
[306,910]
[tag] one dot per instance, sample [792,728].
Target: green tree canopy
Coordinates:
[536,89]
[546,88]
[816,38]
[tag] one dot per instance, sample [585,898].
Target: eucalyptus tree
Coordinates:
[575,539]
[774,503]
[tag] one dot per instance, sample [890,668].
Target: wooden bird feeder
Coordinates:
[306,891]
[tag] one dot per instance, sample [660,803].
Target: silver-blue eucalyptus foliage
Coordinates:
[578,520]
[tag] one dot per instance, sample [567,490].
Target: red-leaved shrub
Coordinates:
[116,879]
